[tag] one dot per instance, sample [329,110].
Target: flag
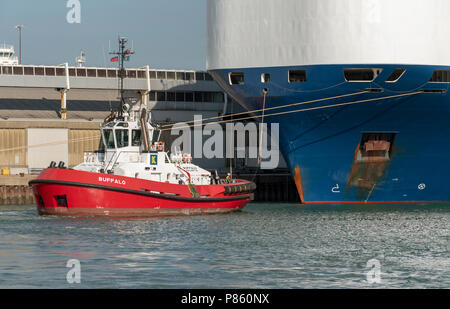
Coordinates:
[127,52]
[115,59]
[126,58]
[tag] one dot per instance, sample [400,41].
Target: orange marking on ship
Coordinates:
[298,183]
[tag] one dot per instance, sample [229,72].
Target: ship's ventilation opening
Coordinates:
[440,76]
[297,76]
[376,147]
[374,90]
[396,75]
[61,200]
[438,91]
[361,75]
[236,78]
[40,201]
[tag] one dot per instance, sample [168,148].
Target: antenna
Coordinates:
[20,27]
[81,59]
[122,55]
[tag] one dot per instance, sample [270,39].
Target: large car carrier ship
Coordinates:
[359,88]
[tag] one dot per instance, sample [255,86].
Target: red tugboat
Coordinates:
[135,177]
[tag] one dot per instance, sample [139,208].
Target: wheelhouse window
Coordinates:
[440,76]
[236,78]
[136,138]
[122,138]
[396,75]
[297,76]
[361,75]
[109,138]
[156,134]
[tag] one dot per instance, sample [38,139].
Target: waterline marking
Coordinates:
[74,274]
[74,14]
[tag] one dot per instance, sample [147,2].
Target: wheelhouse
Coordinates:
[118,135]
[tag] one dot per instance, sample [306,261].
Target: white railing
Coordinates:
[41,70]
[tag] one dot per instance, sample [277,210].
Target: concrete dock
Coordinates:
[14,190]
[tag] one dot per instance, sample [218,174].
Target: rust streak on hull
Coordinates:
[365,175]
[298,183]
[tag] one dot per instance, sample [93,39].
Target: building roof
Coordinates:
[50,109]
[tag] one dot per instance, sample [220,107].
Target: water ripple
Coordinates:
[264,246]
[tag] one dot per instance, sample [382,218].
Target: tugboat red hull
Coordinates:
[66,192]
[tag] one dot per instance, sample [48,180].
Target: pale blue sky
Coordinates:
[168,34]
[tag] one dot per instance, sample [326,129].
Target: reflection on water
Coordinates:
[264,246]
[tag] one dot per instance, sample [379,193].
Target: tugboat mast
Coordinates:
[122,55]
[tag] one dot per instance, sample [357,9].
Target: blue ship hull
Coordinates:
[323,141]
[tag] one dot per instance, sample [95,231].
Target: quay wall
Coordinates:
[14,189]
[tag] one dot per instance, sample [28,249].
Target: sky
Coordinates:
[166,34]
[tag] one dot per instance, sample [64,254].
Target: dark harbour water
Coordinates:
[264,246]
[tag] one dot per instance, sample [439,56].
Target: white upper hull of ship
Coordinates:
[264,33]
